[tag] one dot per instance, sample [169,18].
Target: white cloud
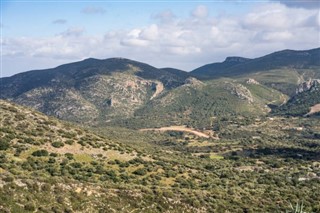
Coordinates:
[73,32]
[183,43]
[134,42]
[200,12]
[150,33]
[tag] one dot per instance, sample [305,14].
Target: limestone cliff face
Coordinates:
[310,85]
[240,91]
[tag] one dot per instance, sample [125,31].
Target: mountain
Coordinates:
[237,66]
[282,70]
[71,74]
[132,94]
[218,69]
[90,90]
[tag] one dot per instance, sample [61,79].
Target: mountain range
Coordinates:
[124,92]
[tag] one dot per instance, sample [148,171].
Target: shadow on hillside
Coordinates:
[283,152]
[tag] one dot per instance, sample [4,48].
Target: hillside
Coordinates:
[282,70]
[122,92]
[47,165]
[307,96]
[92,90]
[197,103]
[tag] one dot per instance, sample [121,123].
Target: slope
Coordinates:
[90,91]
[50,166]
[47,165]
[307,96]
[197,103]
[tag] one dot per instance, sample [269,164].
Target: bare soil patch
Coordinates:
[314,109]
[180,129]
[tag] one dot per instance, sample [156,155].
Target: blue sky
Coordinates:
[180,34]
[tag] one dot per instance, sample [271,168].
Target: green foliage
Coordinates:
[40,153]
[299,105]
[140,171]
[257,160]
[57,144]
[4,143]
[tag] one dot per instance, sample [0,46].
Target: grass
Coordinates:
[112,155]
[216,157]
[85,158]
[24,155]
[167,181]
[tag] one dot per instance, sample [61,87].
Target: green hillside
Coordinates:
[51,166]
[198,103]
[122,92]
[300,104]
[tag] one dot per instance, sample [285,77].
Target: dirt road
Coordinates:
[178,128]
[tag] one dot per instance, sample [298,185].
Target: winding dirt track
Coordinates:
[178,128]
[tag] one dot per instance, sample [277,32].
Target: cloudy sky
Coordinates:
[181,34]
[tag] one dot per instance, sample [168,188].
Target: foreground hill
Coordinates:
[50,166]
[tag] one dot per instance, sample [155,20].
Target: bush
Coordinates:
[30,207]
[69,156]
[40,153]
[141,171]
[57,144]
[4,144]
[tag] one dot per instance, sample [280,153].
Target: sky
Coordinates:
[40,34]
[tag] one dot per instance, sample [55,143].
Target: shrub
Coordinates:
[40,153]
[140,171]
[57,144]
[4,144]
[69,156]
[29,207]
[69,142]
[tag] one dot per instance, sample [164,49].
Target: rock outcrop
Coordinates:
[310,85]
[240,91]
[193,81]
[252,81]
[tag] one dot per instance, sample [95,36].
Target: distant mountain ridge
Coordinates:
[236,66]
